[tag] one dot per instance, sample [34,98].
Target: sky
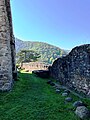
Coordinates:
[63,23]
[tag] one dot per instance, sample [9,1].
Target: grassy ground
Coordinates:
[32,99]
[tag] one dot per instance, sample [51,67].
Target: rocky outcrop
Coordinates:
[7,47]
[73,70]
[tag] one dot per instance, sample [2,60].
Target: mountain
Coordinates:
[48,52]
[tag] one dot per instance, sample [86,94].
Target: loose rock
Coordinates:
[78,103]
[66,91]
[57,91]
[68,99]
[64,94]
[82,112]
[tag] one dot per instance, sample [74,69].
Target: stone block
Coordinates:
[82,112]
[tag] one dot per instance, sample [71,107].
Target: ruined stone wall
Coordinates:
[74,69]
[7,47]
[34,66]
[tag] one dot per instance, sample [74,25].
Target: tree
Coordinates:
[27,56]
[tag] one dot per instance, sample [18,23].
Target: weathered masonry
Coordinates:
[74,69]
[30,66]
[7,47]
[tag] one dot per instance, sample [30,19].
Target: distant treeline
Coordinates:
[47,52]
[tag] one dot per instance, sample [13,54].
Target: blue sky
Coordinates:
[64,23]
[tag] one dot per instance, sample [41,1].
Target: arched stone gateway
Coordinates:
[7,47]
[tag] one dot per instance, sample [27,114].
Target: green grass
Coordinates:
[33,99]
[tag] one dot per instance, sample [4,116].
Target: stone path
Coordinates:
[63,87]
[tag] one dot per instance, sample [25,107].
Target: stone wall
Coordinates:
[7,47]
[34,66]
[74,69]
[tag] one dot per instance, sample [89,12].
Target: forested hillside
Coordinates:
[48,52]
